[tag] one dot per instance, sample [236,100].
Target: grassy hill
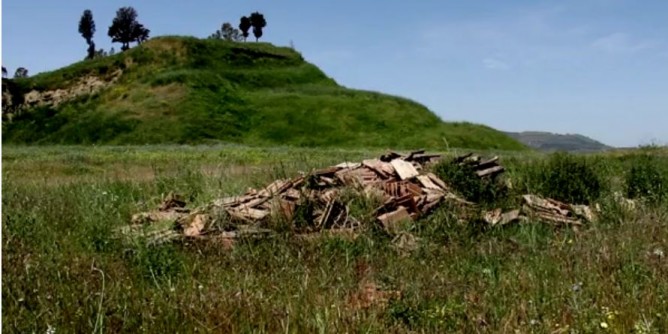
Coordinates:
[546,141]
[189,90]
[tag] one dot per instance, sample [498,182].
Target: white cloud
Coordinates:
[525,37]
[621,43]
[495,64]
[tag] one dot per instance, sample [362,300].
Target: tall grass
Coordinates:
[64,269]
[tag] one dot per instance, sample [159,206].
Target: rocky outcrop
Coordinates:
[85,86]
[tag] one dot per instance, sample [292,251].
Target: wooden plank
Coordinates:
[461,158]
[326,171]
[275,188]
[428,183]
[249,214]
[558,219]
[427,157]
[393,189]
[391,220]
[438,181]
[196,226]
[413,154]
[292,193]
[253,203]
[404,169]
[537,203]
[487,163]
[297,182]
[407,201]
[227,201]
[322,221]
[272,187]
[434,195]
[413,189]
[490,171]
[328,180]
[349,165]
[390,156]
[375,165]
[328,195]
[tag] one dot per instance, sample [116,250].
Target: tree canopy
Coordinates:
[244,26]
[87,30]
[228,33]
[258,22]
[21,72]
[125,29]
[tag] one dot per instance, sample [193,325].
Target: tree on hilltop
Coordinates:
[87,30]
[244,26]
[258,22]
[228,33]
[21,72]
[125,29]
[141,33]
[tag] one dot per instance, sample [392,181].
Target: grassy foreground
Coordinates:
[62,269]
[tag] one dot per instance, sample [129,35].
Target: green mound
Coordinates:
[189,90]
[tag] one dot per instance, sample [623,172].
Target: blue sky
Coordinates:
[595,67]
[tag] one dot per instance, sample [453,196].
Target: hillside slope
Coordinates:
[546,141]
[188,90]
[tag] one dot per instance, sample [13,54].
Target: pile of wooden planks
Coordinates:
[397,181]
[315,201]
[406,193]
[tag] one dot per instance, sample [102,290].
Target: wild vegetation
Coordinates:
[65,270]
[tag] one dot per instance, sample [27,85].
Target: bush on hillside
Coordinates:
[464,180]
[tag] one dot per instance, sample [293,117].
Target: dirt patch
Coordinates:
[171,46]
[85,86]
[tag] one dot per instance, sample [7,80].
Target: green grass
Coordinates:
[187,90]
[63,269]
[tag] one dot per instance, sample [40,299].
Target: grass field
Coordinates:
[63,269]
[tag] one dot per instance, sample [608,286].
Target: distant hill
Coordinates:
[546,141]
[189,90]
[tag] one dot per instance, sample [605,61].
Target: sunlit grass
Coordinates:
[63,268]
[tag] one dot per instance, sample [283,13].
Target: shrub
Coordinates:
[465,181]
[646,179]
[567,178]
